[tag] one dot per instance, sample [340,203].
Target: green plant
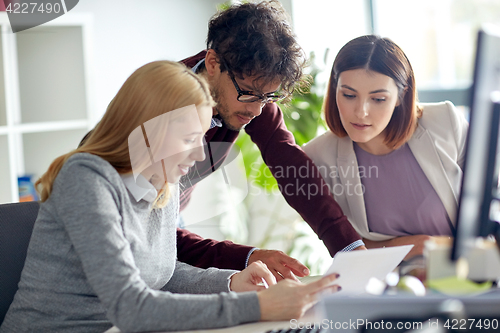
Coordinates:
[224,5]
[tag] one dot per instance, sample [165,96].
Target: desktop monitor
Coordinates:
[479,193]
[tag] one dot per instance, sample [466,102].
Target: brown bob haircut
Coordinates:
[383,56]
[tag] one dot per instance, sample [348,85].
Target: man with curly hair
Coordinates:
[253,60]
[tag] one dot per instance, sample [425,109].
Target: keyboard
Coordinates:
[298,330]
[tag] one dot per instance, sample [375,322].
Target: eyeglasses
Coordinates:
[250,96]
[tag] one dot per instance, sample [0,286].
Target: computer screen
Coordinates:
[480,178]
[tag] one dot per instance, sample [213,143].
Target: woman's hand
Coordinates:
[251,278]
[290,299]
[417,240]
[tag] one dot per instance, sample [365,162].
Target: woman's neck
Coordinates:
[375,146]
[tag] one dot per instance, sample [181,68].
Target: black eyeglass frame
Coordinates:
[264,99]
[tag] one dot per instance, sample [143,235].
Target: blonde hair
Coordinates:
[150,91]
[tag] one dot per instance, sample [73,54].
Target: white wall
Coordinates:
[127,34]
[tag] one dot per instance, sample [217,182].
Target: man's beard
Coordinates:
[222,108]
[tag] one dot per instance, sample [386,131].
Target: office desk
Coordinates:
[352,313]
[259,327]
[345,311]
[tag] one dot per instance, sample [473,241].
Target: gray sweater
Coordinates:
[98,258]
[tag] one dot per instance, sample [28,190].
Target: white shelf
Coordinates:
[44,96]
[3,107]
[37,157]
[46,126]
[53,126]
[5,173]
[51,81]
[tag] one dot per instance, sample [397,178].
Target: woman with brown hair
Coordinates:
[393,165]
[103,248]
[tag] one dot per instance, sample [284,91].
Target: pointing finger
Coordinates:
[322,283]
[295,266]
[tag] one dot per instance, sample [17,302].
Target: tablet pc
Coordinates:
[357,267]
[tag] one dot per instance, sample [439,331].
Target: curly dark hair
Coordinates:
[255,39]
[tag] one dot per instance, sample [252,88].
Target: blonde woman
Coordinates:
[103,249]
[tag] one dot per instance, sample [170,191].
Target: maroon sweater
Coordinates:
[279,151]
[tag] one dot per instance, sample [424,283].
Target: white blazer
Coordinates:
[438,145]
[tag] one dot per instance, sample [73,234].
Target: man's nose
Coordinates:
[255,108]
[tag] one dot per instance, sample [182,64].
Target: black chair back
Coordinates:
[16,226]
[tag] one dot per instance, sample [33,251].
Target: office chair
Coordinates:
[16,226]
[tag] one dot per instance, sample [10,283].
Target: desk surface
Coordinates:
[259,327]
[342,310]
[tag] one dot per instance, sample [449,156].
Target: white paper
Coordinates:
[357,267]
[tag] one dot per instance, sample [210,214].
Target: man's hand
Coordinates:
[281,265]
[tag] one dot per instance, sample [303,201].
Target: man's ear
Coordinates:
[212,63]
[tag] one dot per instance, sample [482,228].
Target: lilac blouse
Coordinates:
[399,199]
